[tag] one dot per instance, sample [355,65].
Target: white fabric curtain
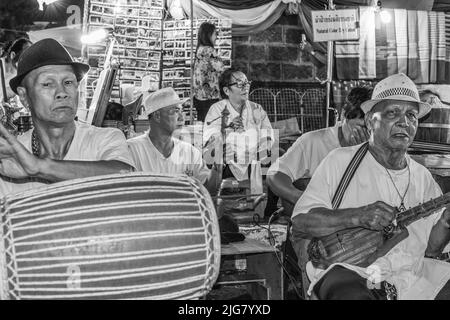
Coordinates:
[243,21]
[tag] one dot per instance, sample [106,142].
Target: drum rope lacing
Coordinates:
[23,203]
[209,230]
[9,252]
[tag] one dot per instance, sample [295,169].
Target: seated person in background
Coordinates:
[246,127]
[114,112]
[157,151]
[12,108]
[58,148]
[385,182]
[303,157]
[430,97]
[11,56]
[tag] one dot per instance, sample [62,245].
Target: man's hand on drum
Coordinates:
[376,216]
[16,160]
[359,133]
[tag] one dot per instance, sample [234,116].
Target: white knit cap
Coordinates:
[161,98]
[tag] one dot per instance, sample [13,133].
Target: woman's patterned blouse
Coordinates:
[207,69]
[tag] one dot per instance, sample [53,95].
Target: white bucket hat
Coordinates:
[396,87]
[161,98]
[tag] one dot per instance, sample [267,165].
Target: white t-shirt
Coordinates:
[89,143]
[184,159]
[305,155]
[405,265]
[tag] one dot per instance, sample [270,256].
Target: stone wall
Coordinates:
[274,54]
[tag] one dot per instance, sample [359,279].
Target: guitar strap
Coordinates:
[348,175]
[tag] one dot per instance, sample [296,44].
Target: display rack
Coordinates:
[137,27]
[176,53]
[149,44]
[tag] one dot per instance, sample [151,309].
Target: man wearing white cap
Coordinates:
[386,181]
[157,151]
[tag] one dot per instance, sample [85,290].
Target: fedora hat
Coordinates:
[43,53]
[396,87]
[161,98]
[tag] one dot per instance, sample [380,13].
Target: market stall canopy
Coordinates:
[245,16]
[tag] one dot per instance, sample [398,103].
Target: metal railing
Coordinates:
[307,105]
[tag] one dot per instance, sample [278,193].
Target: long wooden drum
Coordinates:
[435,127]
[133,236]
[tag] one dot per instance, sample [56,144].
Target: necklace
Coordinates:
[402,198]
[35,144]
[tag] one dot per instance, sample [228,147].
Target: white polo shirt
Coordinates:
[184,159]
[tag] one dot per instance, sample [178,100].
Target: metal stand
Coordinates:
[330,53]
[191,107]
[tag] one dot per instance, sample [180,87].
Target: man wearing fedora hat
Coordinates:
[58,148]
[158,151]
[386,182]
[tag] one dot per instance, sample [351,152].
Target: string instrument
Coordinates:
[360,246]
[102,93]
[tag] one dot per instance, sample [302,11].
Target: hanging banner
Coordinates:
[331,25]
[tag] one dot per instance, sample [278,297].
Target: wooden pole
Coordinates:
[330,53]
[191,95]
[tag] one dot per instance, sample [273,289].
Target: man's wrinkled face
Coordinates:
[393,123]
[52,93]
[171,118]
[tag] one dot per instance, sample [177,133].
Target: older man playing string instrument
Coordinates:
[367,187]
[58,148]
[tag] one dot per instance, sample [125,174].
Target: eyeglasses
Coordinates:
[241,85]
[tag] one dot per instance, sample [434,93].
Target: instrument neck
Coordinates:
[423,210]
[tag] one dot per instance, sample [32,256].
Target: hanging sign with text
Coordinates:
[330,25]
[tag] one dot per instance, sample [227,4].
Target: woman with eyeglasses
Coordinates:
[241,123]
[207,68]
